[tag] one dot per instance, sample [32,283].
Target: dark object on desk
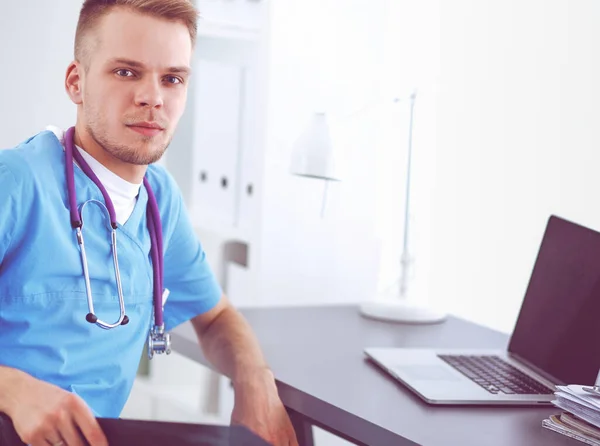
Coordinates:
[121,432]
[150,433]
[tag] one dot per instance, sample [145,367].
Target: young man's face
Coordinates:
[135,86]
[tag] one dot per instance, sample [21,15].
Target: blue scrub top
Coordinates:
[43,302]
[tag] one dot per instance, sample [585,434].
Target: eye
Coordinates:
[124,73]
[173,80]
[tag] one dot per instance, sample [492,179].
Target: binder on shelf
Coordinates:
[217,143]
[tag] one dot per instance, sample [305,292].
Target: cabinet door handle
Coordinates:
[249,189]
[224,182]
[202,177]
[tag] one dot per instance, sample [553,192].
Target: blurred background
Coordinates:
[503,137]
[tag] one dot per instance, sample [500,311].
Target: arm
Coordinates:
[230,345]
[228,342]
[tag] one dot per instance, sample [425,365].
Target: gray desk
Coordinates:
[324,380]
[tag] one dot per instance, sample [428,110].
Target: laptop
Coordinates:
[556,339]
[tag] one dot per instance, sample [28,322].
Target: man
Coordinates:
[58,368]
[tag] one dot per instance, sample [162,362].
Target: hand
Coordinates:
[45,415]
[258,407]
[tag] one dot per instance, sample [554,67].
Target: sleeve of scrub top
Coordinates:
[193,287]
[8,211]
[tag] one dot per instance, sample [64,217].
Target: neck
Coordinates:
[132,173]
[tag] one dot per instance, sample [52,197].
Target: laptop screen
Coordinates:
[558,328]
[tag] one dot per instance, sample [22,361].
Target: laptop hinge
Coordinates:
[536,369]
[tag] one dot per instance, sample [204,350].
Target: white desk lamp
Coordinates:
[313,157]
[396,305]
[313,154]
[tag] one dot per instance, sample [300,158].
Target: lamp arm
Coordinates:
[405,260]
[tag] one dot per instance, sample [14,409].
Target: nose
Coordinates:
[149,93]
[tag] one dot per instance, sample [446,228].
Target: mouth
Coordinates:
[146,128]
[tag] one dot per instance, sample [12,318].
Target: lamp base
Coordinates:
[401,311]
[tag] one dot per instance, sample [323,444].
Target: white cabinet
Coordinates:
[247,211]
[227,149]
[217,144]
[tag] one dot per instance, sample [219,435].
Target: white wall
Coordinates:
[35,50]
[517,139]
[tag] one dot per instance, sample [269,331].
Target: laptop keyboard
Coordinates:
[495,375]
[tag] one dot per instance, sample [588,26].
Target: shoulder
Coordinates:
[24,173]
[30,160]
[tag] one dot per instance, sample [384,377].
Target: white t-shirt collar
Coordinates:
[122,193]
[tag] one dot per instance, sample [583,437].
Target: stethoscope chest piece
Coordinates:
[159,342]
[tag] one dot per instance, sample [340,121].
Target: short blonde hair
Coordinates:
[174,10]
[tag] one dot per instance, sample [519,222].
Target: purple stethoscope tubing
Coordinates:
[157,335]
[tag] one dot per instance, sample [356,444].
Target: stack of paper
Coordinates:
[581,416]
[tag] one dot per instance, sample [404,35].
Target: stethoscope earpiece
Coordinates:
[92,319]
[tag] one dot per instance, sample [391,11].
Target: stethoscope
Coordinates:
[158,341]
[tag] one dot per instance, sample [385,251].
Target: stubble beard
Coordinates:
[129,154]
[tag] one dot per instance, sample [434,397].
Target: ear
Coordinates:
[74,82]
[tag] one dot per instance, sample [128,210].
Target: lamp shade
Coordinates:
[313,151]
